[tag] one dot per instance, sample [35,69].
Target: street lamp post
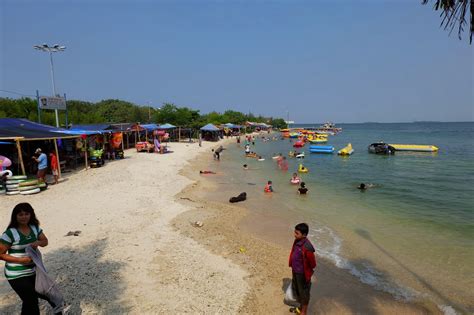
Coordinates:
[51,49]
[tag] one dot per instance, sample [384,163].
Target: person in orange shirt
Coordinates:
[54,167]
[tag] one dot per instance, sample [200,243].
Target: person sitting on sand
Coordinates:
[268,187]
[302,262]
[207,172]
[302,190]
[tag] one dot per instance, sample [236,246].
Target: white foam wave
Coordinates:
[329,246]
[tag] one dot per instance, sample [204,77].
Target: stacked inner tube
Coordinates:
[20,185]
[321,149]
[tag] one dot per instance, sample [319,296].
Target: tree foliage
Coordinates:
[119,111]
[454,13]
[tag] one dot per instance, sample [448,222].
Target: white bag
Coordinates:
[290,298]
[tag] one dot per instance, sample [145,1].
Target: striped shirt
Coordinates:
[18,242]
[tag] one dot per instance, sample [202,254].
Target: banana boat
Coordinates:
[415,147]
[347,150]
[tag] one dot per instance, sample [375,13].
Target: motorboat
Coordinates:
[381,148]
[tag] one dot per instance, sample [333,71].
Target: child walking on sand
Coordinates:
[302,263]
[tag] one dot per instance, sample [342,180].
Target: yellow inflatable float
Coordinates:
[302,169]
[347,150]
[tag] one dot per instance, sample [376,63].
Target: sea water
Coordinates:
[410,235]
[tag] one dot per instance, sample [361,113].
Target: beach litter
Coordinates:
[71,233]
[197,224]
[240,197]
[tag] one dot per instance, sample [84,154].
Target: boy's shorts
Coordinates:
[55,172]
[301,288]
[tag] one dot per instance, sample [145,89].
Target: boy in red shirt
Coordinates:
[54,167]
[302,263]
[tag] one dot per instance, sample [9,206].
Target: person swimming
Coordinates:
[245,166]
[295,179]
[363,186]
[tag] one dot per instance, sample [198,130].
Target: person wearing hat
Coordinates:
[42,161]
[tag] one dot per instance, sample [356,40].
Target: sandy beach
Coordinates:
[138,252]
[128,259]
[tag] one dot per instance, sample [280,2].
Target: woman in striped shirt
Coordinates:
[22,231]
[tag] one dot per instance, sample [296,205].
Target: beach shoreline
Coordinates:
[147,203]
[232,231]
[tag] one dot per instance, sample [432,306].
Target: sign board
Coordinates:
[49,102]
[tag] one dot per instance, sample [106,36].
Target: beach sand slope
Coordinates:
[128,258]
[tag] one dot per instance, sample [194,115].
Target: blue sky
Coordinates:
[345,61]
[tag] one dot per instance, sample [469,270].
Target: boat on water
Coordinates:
[415,147]
[347,150]
[329,128]
[321,149]
[317,138]
[381,148]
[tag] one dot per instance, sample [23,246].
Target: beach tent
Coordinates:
[209,127]
[166,126]
[20,130]
[210,132]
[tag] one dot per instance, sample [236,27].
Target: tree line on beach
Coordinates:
[119,111]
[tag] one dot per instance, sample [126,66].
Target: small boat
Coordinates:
[381,148]
[415,147]
[347,150]
[321,149]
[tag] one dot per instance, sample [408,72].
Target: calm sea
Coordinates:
[411,235]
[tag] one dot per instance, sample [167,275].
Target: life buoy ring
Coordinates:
[30,192]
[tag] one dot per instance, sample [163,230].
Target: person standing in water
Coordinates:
[23,231]
[302,262]
[303,190]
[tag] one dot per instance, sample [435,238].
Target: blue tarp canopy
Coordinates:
[210,127]
[23,129]
[93,127]
[166,126]
[232,126]
[150,127]
[77,131]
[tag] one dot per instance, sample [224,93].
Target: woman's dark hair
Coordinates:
[23,207]
[303,228]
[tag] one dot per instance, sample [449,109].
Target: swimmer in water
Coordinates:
[363,186]
[246,167]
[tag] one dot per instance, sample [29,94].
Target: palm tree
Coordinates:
[454,13]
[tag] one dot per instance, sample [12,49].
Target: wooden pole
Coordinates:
[85,148]
[122,141]
[179,134]
[20,157]
[128,140]
[57,157]
[146,135]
